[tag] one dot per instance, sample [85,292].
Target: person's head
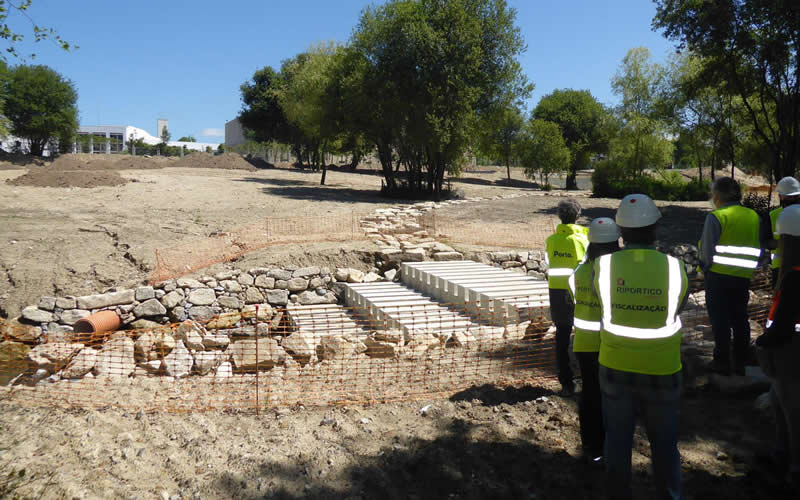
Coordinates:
[725,190]
[568,211]
[603,238]
[637,218]
[788,191]
[788,226]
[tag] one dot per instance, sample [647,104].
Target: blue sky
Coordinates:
[185,60]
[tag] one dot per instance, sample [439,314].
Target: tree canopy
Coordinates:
[40,105]
[13,35]
[751,47]
[583,121]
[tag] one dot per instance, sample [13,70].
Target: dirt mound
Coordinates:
[225,161]
[125,162]
[66,163]
[48,177]
[739,175]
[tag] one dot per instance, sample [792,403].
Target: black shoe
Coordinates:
[567,391]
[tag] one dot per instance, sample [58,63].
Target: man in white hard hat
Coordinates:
[564,250]
[779,348]
[730,251]
[789,194]
[641,293]
[603,240]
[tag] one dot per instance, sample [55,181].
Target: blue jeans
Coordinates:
[656,400]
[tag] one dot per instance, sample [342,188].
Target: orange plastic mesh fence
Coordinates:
[498,234]
[311,355]
[189,256]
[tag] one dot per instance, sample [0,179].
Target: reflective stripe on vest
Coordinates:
[738,248]
[736,261]
[560,271]
[593,326]
[673,324]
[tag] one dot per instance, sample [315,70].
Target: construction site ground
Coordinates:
[518,441]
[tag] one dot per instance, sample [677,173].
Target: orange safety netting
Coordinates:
[323,354]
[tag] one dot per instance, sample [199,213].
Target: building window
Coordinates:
[99,145]
[116,142]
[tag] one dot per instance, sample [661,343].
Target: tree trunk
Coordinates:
[324,173]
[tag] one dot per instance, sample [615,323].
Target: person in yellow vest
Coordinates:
[564,250]
[789,194]
[779,349]
[641,293]
[603,240]
[730,249]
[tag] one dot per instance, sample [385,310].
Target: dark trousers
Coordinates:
[726,299]
[590,409]
[562,312]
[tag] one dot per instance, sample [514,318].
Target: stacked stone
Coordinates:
[531,263]
[689,254]
[188,298]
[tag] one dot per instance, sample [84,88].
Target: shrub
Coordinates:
[611,180]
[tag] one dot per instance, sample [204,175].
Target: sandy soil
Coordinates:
[73,241]
[489,441]
[486,442]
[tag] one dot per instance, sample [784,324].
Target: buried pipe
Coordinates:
[96,326]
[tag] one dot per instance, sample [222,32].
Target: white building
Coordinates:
[115,138]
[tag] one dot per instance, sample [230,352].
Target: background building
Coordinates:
[234,133]
[115,138]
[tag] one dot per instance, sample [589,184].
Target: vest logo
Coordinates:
[620,282]
[640,291]
[556,253]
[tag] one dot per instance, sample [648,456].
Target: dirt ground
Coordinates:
[517,442]
[486,442]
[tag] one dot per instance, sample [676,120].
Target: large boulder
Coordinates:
[216,341]
[202,296]
[106,299]
[226,320]
[178,363]
[278,297]
[302,345]
[262,353]
[201,313]
[148,308]
[18,332]
[382,349]
[72,316]
[335,347]
[36,315]
[52,356]
[305,272]
[310,298]
[143,345]
[206,361]
[81,364]
[172,299]
[191,334]
[116,359]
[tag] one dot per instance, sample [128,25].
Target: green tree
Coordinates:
[542,150]
[422,73]
[165,136]
[754,48]
[641,143]
[585,125]
[40,105]
[13,36]
[306,103]
[499,132]
[187,138]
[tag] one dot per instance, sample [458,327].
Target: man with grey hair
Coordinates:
[564,250]
[730,250]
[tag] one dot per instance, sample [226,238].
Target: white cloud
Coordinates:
[212,132]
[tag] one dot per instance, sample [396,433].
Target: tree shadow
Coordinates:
[278,182]
[464,461]
[491,395]
[310,192]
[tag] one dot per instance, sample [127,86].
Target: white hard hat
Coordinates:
[603,230]
[789,221]
[637,210]
[788,186]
